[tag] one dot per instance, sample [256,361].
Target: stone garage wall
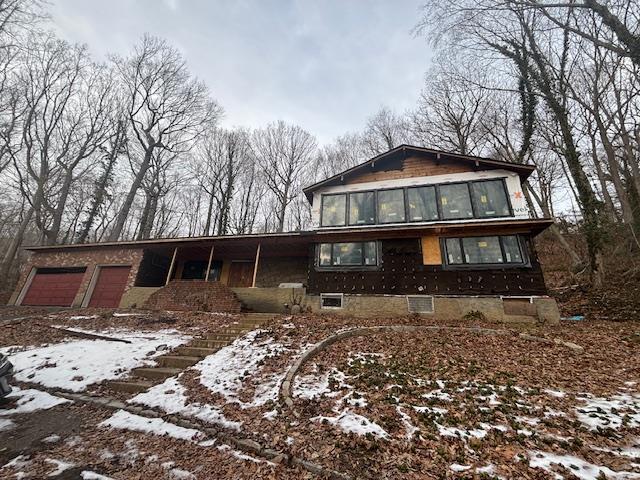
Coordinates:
[80,257]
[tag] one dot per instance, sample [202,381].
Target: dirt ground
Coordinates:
[445,404]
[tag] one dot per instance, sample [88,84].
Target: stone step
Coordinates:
[132,386]
[155,373]
[197,350]
[210,344]
[176,361]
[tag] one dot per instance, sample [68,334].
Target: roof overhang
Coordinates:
[383,161]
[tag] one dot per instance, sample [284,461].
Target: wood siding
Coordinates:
[413,166]
[402,272]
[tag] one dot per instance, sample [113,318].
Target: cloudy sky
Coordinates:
[323,64]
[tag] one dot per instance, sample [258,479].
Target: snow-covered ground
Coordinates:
[26,401]
[77,363]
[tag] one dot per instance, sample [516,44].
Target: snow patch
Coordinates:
[89,475]
[352,422]
[30,400]
[156,426]
[577,466]
[76,364]
[60,466]
[609,413]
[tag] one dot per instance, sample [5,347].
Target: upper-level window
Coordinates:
[490,199]
[348,254]
[455,201]
[487,250]
[334,210]
[422,204]
[391,206]
[447,201]
[362,208]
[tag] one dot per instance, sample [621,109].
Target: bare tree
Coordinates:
[384,131]
[283,152]
[167,109]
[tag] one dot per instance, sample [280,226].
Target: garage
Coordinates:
[109,286]
[54,287]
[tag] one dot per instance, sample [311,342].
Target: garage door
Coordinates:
[54,287]
[109,287]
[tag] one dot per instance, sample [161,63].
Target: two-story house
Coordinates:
[411,230]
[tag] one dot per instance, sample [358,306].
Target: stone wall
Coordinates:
[136,296]
[444,308]
[194,295]
[80,257]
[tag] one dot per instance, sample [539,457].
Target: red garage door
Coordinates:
[109,287]
[54,287]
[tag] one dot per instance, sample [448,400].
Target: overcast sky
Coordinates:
[323,64]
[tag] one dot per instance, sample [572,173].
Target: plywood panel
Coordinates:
[431,254]
[413,167]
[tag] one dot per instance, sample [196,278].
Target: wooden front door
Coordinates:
[241,274]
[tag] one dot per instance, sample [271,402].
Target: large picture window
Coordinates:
[490,199]
[455,201]
[422,204]
[348,254]
[334,210]
[487,250]
[391,206]
[362,208]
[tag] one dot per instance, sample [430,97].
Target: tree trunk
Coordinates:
[121,218]
[10,254]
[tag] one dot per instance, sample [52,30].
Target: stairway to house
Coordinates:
[189,354]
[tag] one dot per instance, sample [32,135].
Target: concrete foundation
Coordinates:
[269,300]
[136,296]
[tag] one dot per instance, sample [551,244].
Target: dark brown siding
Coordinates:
[402,272]
[272,271]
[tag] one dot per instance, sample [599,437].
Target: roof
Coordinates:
[289,239]
[402,151]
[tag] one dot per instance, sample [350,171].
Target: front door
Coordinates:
[241,274]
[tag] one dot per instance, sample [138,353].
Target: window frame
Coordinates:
[335,268]
[526,261]
[439,201]
[404,201]
[506,192]
[346,206]
[375,208]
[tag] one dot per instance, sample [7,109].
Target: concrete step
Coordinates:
[197,350]
[132,386]
[176,361]
[155,373]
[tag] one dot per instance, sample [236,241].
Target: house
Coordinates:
[410,230]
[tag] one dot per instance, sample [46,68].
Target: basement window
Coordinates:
[331,300]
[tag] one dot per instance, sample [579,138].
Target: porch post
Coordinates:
[173,261]
[255,267]
[206,277]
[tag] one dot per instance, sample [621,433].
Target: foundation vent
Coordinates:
[420,303]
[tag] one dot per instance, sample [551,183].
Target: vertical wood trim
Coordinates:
[206,277]
[255,267]
[173,261]
[27,284]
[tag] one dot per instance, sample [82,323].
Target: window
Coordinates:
[490,199]
[348,254]
[334,210]
[482,250]
[422,203]
[455,201]
[454,251]
[511,247]
[391,206]
[362,208]
[331,300]
[488,250]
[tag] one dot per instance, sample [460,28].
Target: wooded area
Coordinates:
[133,148]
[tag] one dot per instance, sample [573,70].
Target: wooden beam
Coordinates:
[255,267]
[173,262]
[206,277]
